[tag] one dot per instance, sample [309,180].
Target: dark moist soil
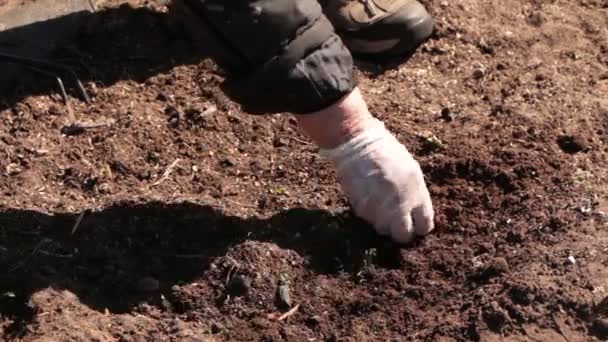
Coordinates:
[181,218]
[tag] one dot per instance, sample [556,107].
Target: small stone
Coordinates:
[487,48]
[13,169]
[144,307]
[153,157]
[148,284]
[239,285]
[227,162]
[494,268]
[313,321]
[165,304]
[173,115]
[499,265]
[279,142]
[283,296]
[432,143]
[571,260]
[209,109]
[172,111]
[447,114]
[478,73]
[216,328]
[174,122]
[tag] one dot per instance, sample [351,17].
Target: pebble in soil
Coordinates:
[283,294]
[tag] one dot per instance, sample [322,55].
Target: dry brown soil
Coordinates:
[175,219]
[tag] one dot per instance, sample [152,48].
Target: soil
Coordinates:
[173,216]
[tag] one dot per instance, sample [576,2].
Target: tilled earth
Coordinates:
[179,218]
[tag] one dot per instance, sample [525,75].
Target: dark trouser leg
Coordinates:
[279,55]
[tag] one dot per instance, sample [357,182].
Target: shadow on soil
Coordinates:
[113,249]
[122,43]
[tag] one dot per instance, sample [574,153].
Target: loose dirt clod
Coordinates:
[478,73]
[498,266]
[494,268]
[572,143]
[216,328]
[495,316]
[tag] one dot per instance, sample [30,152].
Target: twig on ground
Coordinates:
[167,173]
[304,142]
[93,5]
[284,316]
[27,258]
[55,255]
[76,128]
[78,221]
[289,313]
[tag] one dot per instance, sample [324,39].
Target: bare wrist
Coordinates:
[337,123]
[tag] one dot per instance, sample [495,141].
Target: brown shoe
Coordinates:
[380,28]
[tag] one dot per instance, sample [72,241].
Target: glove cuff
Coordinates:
[357,145]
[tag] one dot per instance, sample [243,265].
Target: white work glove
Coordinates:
[384,183]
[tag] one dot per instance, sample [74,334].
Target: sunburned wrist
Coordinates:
[338,123]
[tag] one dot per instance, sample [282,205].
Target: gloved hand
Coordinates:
[384,183]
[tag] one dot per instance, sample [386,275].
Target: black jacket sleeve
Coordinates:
[279,55]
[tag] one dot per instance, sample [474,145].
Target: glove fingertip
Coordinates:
[423,217]
[402,231]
